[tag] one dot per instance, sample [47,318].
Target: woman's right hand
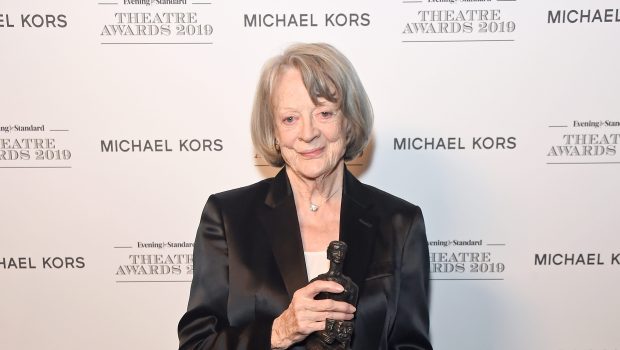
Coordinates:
[305,315]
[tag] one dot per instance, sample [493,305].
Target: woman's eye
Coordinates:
[289,119]
[326,114]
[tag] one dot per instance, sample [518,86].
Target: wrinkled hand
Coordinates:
[305,315]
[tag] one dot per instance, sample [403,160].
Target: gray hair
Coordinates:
[327,74]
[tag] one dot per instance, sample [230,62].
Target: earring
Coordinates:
[276,145]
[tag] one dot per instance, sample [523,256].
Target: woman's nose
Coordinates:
[308,131]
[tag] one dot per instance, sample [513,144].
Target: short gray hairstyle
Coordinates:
[327,74]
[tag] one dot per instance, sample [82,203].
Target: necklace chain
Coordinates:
[315,207]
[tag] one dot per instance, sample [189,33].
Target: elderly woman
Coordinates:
[258,246]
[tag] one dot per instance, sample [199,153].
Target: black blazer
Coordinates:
[249,260]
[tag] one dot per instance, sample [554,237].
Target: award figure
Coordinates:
[337,334]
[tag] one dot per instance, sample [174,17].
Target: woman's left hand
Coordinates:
[306,315]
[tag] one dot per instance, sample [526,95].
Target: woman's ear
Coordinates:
[276,145]
[346,126]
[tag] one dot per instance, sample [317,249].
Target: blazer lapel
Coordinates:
[279,217]
[357,229]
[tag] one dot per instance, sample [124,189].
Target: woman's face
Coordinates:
[311,137]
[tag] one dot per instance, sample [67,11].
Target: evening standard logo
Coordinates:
[154,261]
[470,259]
[33,21]
[5,129]
[585,140]
[35,144]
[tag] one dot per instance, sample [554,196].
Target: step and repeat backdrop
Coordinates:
[499,118]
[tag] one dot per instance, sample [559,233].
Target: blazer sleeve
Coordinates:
[411,324]
[205,325]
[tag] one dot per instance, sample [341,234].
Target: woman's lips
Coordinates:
[313,153]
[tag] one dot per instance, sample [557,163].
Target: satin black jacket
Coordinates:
[249,260]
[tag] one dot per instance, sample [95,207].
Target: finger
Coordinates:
[313,326]
[330,305]
[338,316]
[316,326]
[307,316]
[317,287]
[313,316]
[323,315]
[309,326]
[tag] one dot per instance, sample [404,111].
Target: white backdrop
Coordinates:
[499,118]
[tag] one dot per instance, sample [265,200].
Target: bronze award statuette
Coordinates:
[337,334]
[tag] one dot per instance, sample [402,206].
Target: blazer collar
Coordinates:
[357,229]
[279,218]
[280,190]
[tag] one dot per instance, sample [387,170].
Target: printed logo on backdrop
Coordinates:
[149,22]
[576,259]
[585,141]
[154,261]
[34,146]
[279,19]
[38,20]
[471,259]
[586,16]
[451,21]
[181,145]
[47,263]
[453,143]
